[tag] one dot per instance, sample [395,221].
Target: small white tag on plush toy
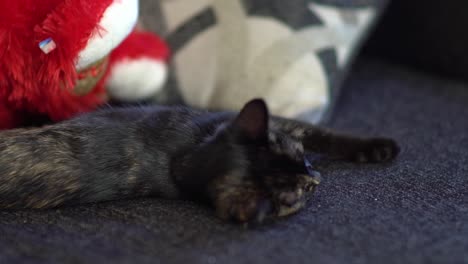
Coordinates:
[47,45]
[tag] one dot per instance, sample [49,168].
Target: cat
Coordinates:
[249,166]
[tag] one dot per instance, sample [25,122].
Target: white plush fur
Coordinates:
[133,80]
[118,21]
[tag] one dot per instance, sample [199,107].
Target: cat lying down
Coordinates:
[248,166]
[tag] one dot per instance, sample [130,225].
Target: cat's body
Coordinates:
[246,165]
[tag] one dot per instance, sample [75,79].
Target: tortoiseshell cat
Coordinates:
[248,166]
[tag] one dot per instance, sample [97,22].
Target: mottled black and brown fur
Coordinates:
[248,166]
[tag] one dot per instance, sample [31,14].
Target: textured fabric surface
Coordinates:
[228,52]
[414,210]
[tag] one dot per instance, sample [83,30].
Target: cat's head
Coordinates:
[241,147]
[241,174]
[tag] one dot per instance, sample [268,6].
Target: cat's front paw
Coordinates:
[253,200]
[377,150]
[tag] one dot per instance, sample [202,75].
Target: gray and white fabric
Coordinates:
[291,53]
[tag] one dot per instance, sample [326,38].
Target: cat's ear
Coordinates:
[252,120]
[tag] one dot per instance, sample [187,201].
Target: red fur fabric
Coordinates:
[34,82]
[141,44]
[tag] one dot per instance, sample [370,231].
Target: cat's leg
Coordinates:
[352,148]
[331,143]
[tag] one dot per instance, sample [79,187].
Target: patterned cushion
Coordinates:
[292,53]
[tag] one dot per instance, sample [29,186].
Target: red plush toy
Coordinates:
[59,58]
